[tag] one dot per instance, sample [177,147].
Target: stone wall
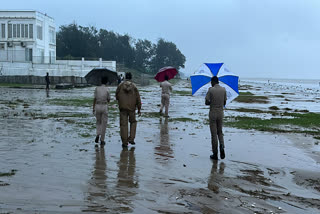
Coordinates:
[40,80]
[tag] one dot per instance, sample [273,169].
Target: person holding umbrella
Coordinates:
[129,100]
[100,109]
[165,74]
[216,97]
[165,95]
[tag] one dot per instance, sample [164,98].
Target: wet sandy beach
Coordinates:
[49,163]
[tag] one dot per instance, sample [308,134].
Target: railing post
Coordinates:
[82,64]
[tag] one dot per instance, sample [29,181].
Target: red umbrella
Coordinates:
[166,71]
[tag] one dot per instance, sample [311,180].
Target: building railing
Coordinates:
[25,56]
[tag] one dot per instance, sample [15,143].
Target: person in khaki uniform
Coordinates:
[129,100]
[100,109]
[216,97]
[165,95]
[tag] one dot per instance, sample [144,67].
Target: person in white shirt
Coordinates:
[165,95]
[100,109]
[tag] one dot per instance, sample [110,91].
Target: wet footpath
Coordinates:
[49,162]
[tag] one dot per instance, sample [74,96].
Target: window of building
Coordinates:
[18,30]
[22,30]
[9,30]
[52,56]
[26,31]
[52,35]
[39,32]
[29,56]
[14,31]
[31,31]
[3,30]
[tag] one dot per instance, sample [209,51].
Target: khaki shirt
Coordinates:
[128,96]
[216,97]
[166,87]
[102,95]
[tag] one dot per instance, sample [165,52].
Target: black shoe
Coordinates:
[132,142]
[97,139]
[222,154]
[124,146]
[214,156]
[102,143]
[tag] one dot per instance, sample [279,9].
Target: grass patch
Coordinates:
[60,115]
[309,123]
[7,174]
[72,102]
[85,135]
[273,108]
[288,93]
[280,96]
[248,97]
[70,121]
[142,90]
[151,114]
[302,111]
[245,87]
[182,119]
[15,85]
[249,110]
[182,93]
[68,114]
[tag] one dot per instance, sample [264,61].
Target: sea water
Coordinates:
[300,94]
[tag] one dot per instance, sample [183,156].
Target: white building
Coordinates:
[28,51]
[27,36]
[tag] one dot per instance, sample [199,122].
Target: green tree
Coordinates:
[76,41]
[144,53]
[167,54]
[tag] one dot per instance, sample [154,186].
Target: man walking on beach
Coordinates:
[47,81]
[100,109]
[129,100]
[216,97]
[165,95]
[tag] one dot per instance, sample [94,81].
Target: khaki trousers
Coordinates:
[101,119]
[124,115]
[216,122]
[165,101]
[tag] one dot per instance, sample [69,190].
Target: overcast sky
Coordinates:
[254,38]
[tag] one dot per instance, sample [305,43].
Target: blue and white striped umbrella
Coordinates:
[201,80]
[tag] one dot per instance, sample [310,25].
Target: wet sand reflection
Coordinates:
[127,182]
[112,197]
[127,165]
[216,176]
[97,192]
[163,150]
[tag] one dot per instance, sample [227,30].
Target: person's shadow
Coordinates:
[216,176]
[163,150]
[47,93]
[97,192]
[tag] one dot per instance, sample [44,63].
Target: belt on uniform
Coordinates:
[101,102]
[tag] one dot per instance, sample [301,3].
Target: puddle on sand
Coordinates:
[58,169]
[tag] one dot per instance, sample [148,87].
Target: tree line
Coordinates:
[75,41]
